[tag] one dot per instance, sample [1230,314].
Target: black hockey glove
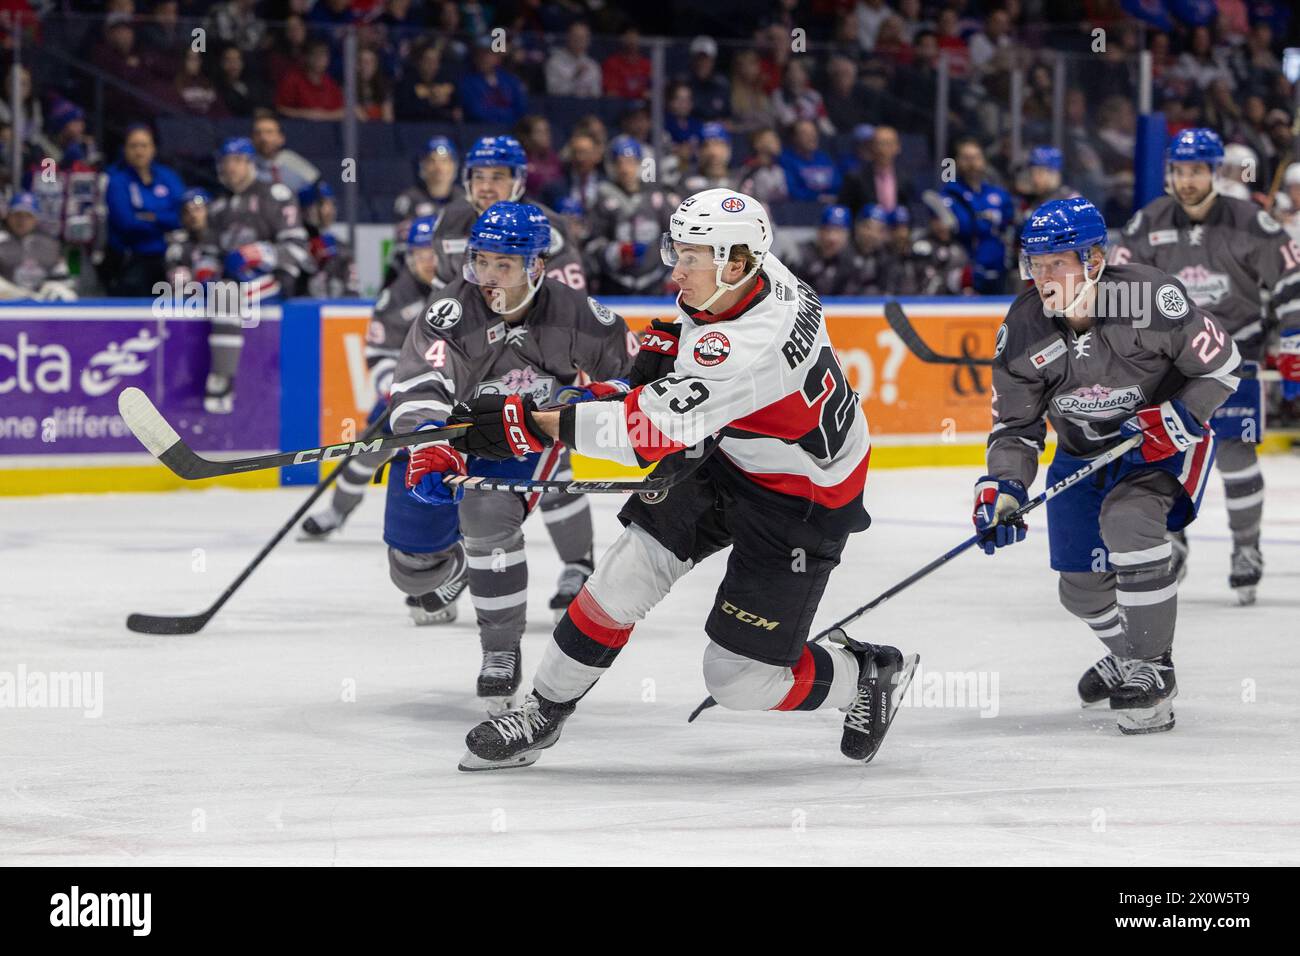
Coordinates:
[501,427]
[658,353]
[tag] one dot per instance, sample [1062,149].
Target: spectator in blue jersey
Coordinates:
[985,214]
[489,93]
[143,199]
[810,173]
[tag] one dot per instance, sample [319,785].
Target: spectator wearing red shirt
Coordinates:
[627,73]
[950,41]
[310,93]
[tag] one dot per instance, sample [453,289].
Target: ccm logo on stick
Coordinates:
[332,452]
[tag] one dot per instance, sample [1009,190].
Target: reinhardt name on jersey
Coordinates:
[765,376]
[1088,384]
[459,348]
[1225,261]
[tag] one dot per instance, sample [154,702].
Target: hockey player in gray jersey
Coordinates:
[189,256]
[32,263]
[434,191]
[495,170]
[256,231]
[624,223]
[397,307]
[1102,359]
[1228,253]
[331,271]
[504,329]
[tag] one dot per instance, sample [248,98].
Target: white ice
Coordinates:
[311,723]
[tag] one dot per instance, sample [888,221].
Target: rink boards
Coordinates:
[303,382]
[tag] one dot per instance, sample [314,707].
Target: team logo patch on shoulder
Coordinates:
[1048,354]
[443,314]
[1162,237]
[1133,225]
[1171,302]
[1001,341]
[712,349]
[603,313]
[1267,222]
[733,204]
[281,192]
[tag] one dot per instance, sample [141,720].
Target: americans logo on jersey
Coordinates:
[712,349]
[1205,287]
[1099,401]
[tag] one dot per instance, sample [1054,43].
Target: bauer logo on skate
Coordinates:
[712,349]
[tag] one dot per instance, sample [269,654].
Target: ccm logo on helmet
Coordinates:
[733,204]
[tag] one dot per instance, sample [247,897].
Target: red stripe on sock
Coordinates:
[804,673]
[591,619]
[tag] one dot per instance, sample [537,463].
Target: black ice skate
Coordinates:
[1144,702]
[1178,560]
[321,525]
[572,578]
[439,605]
[516,738]
[882,682]
[498,680]
[1247,569]
[1099,680]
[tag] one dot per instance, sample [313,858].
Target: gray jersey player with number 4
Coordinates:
[1229,254]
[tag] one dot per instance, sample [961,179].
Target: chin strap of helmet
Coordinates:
[1087,284]
[724,287]
[533,286]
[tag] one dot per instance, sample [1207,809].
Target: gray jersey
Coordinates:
[265,213]
[416,202]
[33,260]
[624,230]
[451,239]
[332,270]
[459,348]
[190,257]
[1149,343]
[1224,262]
[396,308]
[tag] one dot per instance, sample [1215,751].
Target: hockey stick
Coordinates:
[162,441]
[1095,465]
[190,624]
[904,329]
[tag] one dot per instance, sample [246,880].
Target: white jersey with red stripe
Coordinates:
[763,375]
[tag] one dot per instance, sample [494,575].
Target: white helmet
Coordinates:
[1292,175]
[720,219]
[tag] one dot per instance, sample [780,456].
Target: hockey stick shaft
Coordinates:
[1095,465]
[904,329]
[163,442]
[162,624]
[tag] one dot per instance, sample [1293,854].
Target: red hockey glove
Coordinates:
[1167,429]
[427,467]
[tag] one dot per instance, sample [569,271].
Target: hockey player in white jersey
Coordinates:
[1229,254]
[754,379]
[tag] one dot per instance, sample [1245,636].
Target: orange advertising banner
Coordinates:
[919,414]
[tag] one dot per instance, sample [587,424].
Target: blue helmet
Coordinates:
[420,233]
[512,229]
[195,197]
[1046,156]
[874,211]
[1199,145]
[24,202]
[837,216]
[1061,225]
[237,146]
[624,145]
[441,144]
[569,206]
[714,131]
[314,193]
[900,216]
[497,151]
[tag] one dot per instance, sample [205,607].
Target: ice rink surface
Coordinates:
[311,723]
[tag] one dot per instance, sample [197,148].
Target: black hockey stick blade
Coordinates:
[162,624]
[904,329]
[704,705]
[162,441]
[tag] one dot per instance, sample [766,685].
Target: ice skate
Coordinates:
[1099,680]
[884,679]
[516,738]
[322,524]
[1247,569]
[439,605]
[498,680]
[219,395]
[1144,701]
[1178,560]
[572,578]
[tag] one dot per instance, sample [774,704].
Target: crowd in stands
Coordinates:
[821,107]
